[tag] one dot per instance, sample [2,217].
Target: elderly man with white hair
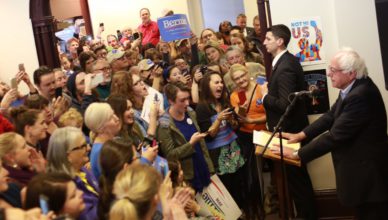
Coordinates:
[356,137]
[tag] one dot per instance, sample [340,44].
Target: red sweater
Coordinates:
[5,125]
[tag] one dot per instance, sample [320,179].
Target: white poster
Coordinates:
[307,40]
[149,101]
[217,200]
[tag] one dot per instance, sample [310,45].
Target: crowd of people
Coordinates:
[133,127]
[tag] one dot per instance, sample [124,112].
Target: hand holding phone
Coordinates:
[96,80]
[242,111]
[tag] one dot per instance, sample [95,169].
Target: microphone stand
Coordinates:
[278,129]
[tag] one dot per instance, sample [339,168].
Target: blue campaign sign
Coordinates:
[174,27]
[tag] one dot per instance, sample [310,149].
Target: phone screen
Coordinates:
[136,35]
[58,92]
[242,98]
[43,202]
[21,67]
[97,79]
[14,83]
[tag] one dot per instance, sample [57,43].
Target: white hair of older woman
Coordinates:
[96,115]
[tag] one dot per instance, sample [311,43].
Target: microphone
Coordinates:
[312,93]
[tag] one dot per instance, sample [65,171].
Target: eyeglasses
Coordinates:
[240,77]
[102,54]
[139,82]
[82,147]
[331,69]
[105,69]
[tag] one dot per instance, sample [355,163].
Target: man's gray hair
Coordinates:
[349,60]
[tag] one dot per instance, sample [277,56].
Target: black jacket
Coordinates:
[357,140]
[286,78]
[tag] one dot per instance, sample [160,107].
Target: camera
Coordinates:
[162,64]
[203,69]
[136,35]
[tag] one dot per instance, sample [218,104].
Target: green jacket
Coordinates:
[175,147]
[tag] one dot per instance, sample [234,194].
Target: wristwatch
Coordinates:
[295,154]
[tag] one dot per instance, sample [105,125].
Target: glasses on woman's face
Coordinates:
[236,79]
[81,147]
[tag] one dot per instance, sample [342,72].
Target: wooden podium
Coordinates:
[268,154]
[278,179]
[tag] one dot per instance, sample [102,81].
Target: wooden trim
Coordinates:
[44,33]
[86,16]
[329,207]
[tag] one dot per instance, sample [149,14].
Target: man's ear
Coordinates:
[26,129]
[280,41]
[353,74]
[170,102]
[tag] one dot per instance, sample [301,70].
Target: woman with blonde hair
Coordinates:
[136,189]
[251,117]
[15,154]
[101,120]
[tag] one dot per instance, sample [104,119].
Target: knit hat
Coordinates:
[166,72]
[71,86]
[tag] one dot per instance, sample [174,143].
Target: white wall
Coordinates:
[18,45]
[358,29]
[214,14]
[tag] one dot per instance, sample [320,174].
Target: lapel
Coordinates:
[274,73]
[340,102]
[338,106]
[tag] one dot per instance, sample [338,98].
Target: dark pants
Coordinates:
[253,205]
[301,191]
[371,211]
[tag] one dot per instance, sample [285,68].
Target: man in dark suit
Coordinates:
[286,78]
[241,21]
[356,138]
[255,37]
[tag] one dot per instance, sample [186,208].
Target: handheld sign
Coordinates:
[174,27]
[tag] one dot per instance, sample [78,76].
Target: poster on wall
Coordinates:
[307,40]
[317,80]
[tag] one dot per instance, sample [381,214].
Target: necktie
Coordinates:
[343,95]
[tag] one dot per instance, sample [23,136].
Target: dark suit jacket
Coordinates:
[287,77]
[357,139]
